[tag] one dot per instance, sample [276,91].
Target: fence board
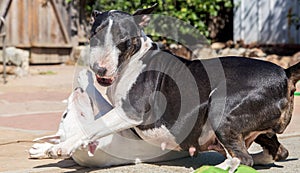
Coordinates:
[43,27]
[266,21]
[35,23]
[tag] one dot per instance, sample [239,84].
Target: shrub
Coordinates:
[195,12]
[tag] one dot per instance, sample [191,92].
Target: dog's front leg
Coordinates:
[115,120]
[90,130]
[40,150]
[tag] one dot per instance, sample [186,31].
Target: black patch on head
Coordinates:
[126,33]
[124,26]
[99,20]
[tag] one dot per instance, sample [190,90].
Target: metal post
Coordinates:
[4,48]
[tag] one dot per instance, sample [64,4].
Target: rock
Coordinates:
[281,61]
[180,50]
[239,43]
[295,58]
[230,52]
[19,58]
[242,51]
[285,61]
[255,52]
[217,45]
[174,46]
[229,43]
[204,53]
[225,51]
[273,58]
[234,52]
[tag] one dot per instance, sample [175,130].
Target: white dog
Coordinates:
[119,148]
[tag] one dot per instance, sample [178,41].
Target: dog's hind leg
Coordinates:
[272,150]
[235,145]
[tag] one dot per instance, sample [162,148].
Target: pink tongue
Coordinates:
[92,148]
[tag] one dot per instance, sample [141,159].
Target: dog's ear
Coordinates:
[141,16]
[94,15]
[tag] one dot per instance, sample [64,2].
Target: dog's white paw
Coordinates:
[231,163]
[85,78]
[40,150]
[67,148]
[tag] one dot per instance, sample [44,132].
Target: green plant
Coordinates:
[195,12]
[49,72]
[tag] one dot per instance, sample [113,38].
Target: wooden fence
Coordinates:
[266,21]
[41,26]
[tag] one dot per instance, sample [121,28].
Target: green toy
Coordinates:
[212,169]
[297,93]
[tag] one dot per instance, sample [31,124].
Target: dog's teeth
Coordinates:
[192,151]
[163,146]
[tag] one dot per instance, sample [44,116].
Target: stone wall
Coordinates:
[229,48]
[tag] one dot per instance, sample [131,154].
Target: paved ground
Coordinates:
[31,107]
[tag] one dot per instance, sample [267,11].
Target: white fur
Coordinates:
[116,119]
[130,73]
[113,121]
[159,137]
[231,163]
[40,150]
[114,149]
[106,55]
[262,158]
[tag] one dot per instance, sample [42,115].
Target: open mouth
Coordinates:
[104,81]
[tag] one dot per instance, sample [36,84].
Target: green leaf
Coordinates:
[195,12]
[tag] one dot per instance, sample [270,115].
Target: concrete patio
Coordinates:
[31,107]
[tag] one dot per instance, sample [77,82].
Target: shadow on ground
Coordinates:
[185,164]
[205,158]
[274,165]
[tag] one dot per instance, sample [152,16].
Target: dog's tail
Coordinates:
[293,73]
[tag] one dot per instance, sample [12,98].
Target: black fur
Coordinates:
[234,95]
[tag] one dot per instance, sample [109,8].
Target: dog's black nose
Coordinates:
[99,70]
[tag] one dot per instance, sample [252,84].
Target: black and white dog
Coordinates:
[124,147]
[221,104]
